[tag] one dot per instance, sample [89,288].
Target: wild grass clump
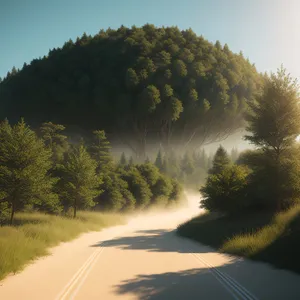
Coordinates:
[34,233]
[253,243]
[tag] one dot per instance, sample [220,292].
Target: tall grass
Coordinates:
[253,243]
[34,233]
[263,236]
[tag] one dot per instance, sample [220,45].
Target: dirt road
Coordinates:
[146,260]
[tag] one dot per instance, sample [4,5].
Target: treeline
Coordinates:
[143,86]
[41,170]
[267,178]
[190,168]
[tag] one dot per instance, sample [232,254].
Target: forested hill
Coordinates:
[141,85]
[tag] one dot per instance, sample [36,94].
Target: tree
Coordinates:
[274,119]
[150,173]
[225,191]
[24,166]
[80,182]
[274,124]
[100,151]
[116,195]
[187,164]
[57,142]
[138,186]
[220,160]
[123,160]
[159,161]
[115,81]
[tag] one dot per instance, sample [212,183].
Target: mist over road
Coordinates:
[146,260]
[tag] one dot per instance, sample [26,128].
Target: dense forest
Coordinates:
[146,87]
[42,171]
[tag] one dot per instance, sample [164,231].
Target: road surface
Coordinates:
[146,260]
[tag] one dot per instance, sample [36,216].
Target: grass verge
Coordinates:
[34,233]
[262,237]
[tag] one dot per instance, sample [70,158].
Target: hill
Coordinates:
[143,86]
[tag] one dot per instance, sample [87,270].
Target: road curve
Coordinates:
[146,260]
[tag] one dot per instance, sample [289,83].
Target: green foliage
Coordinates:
[80,182]
[187,164]
[274,124]
[57,142]
[274,119]
[220,161]
[162,187]
[100,151]
[116,195]
[116,81]
[150,172]
[225,191]
[159,161]
[36,232]
[138,186]
[24,166]
[177,190]
[123,160]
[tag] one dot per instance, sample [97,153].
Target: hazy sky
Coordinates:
[267,31]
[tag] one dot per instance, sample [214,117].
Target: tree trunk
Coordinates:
[12,214]
[75,208]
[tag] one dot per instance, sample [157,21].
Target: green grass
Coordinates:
[262,237]
[34,233]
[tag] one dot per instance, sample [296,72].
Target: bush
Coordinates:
[266,173]
[138,186]
[226,191]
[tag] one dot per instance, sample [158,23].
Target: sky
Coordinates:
[265,30]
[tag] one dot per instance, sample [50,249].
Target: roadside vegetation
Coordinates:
[51,190]
[34,233]
[254,202]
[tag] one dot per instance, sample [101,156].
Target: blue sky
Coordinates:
[267,31]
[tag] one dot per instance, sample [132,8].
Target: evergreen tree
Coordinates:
[80,182]
[138,186]
[225,191]
[123,160]
[100,151]
[159,161]
[187,164]
[51,135]
[24,166]
[274,124]
[220,160]
[173,165]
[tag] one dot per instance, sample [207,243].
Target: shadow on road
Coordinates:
[154,241]
[188,284]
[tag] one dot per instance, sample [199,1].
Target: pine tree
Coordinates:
[159,161]
[24,166]
[100,151]
[173,165]
[187,164]
[274,125]
[220,160]
[80,182]
[57,142]
[123,160]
